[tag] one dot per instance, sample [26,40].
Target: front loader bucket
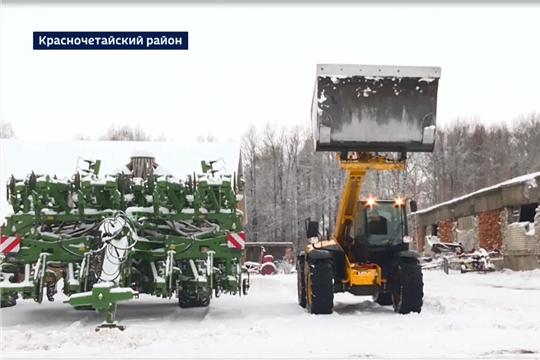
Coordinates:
[375,108]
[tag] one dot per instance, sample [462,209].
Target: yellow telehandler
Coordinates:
[371,117]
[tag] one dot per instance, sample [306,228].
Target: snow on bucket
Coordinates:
[375,108]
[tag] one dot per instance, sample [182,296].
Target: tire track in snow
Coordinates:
[481,319]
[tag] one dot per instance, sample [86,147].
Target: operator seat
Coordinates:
[361,250]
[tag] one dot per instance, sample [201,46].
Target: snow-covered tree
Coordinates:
[286,181]
[6,130]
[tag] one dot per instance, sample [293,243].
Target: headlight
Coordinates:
[313,240]
[407,239]
[399,201]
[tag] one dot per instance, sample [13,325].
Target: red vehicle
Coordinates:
[265,265]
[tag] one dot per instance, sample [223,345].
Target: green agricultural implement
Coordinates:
[112,238]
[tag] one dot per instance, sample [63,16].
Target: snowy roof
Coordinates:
[21,157]
[529,178]
[142,154]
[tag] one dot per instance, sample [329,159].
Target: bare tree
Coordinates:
[125,133]
[526,133]
[161,137]
[82,137]
[208,138]
[251,154]
[287,181]
[6,130]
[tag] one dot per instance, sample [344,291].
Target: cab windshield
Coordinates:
[380,223]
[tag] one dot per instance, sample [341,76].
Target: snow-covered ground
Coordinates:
[494,315]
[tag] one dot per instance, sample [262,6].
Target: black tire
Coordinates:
[204,301]
[186,300]
[321,279]
[408,292]
[12,301]
[384,299]
[8,303]
[301,282]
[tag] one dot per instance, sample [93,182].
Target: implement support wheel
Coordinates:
[186,301]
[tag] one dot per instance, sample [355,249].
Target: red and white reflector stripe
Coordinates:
[236,240]
[9,244]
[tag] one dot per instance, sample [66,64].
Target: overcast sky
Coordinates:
[256,64]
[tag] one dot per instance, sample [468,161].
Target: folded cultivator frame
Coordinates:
[112,238]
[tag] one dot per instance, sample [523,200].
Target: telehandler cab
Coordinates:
[365,113]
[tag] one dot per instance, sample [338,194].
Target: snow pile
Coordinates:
[467,238]
[485,315]
[142,154]
[429,240]
[285,267]
[523,280]
[529,184]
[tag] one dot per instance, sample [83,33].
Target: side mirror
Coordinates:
[413,206]
[327,233]
[312,228]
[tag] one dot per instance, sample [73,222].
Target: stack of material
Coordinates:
[520,236]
